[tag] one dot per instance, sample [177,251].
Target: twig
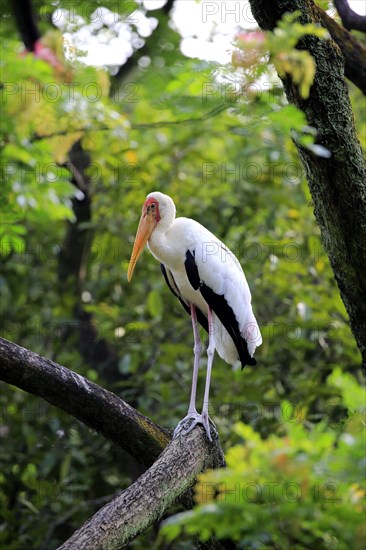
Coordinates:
[144,126]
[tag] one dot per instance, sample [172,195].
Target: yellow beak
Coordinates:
[144,230]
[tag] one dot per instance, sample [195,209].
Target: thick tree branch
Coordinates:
[96,407]
[353,51]
[150,497]
[350,19]
[338,183]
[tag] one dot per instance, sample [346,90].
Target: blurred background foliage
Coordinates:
[278,491]
[218,139]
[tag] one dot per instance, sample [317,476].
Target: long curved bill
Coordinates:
[144,230]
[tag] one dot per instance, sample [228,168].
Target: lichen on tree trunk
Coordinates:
[337,184]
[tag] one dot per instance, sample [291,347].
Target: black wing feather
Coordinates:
[221,308]
[192,270]
[169,279]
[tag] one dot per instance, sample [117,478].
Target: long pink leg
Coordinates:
[197,354]
[210,356]
[192,412]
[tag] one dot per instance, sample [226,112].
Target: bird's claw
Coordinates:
[196,418]
[181,426]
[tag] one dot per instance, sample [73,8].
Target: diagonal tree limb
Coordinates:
[354,52]
[338,183]
[350,19]
[147,500]
[150,48]
[168,480]
[96,407]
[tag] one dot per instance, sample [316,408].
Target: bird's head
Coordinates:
[157,209]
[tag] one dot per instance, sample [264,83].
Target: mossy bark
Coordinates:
[337,184]
[352,49]
[151,496]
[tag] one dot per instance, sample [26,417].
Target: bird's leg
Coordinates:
[201,418]
[197,354]
[210,356]
[192,411]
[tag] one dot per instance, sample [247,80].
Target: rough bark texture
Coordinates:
[150,497]
[96,407]
[337,184]
[353,51]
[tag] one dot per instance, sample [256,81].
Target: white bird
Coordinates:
[209,282]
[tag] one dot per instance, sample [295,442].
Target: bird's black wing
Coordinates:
[220,307]
[169,279]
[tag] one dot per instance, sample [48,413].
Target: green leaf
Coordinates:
[65,468]
[155,304]
[354,395]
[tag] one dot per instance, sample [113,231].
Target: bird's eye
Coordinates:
[153,205]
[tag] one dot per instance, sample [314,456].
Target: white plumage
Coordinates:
[203,273]
[217,266]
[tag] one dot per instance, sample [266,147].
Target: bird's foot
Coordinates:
[181,426]
[203,419]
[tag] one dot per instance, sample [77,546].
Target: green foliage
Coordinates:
[300,487]
[219,141]
[280,45]
[37,103]
[297,63]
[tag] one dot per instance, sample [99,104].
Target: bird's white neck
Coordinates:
[158,243]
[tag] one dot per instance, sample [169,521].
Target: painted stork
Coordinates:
[209,282]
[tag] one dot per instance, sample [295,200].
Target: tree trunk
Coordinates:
[337,184]
[353,51]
